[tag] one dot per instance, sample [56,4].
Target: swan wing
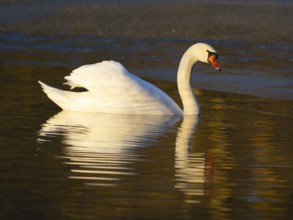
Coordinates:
[118,91]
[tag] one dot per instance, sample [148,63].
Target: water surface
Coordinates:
[233,162]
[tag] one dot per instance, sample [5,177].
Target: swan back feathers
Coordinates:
[112,89]
[83,76]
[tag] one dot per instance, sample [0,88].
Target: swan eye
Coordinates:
[212,56]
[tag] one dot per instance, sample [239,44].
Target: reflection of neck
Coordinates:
[189,101]
[184,137]
[189,169]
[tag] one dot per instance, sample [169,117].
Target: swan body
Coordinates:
[112,89]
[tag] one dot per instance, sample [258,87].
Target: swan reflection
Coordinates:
[190,168]
[101,146]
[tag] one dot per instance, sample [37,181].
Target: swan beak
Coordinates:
[216,66]
[213,61]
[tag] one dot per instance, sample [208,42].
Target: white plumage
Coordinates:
[112,89]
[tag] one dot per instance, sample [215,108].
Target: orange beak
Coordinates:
[213,61]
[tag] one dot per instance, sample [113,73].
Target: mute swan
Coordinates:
[112,89]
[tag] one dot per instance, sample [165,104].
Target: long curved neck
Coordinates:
[190,103]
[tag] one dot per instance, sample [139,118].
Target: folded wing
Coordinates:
[118,91]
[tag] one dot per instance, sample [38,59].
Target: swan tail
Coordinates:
[60,97]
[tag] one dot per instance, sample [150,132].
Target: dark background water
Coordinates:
[234,162]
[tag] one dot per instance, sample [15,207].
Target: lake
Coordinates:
[232,162]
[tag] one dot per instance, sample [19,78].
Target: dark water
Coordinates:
[234,162]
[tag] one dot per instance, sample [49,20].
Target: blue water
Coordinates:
[262,70]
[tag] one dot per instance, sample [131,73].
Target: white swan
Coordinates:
[112,89]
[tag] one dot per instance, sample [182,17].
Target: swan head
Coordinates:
[207,54]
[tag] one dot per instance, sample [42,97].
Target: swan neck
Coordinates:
[189,101]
